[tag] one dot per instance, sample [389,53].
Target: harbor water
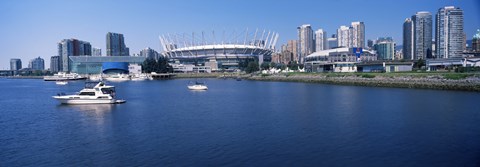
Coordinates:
[239,123]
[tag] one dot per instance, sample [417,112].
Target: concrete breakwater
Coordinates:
[471,83]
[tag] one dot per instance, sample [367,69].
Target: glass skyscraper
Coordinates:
[116,45]
[15,64]
[408,39]
[37,64]
[422,29]
[449,34]
[55,64]
[72,47]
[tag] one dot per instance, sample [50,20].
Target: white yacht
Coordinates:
[118,78]
[93,93]
[197,86]
[61,76]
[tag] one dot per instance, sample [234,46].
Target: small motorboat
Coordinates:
[93,93]
[197,86]
[61,82]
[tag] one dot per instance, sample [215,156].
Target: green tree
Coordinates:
[265,66]
[292,65]
[252,67]
[273,65]
[160,66]
[419,64]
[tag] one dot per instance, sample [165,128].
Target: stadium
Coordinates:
[224,51]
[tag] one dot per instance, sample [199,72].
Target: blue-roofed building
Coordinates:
[95,64]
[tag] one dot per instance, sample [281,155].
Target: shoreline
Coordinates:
[431,81]
[435,81]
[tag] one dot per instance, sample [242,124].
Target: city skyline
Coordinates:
[40,28]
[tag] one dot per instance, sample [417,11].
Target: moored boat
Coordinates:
[93,93]
[197,86]
[62,76]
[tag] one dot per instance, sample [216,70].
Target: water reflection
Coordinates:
[95,111]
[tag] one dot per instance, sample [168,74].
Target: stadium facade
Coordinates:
[224,51]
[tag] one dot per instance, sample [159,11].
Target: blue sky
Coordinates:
[32,28]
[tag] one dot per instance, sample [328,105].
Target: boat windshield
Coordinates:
[108,90]
[90,85]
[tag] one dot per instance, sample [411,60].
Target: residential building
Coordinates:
[55,64]
[358,34]
[332,42]
[321,40]
[37,64]
[15,64]
[149,53]
[370,44]
[449,35]
[476,42]
[385,48]
[305,41]
[422,29]
[116,45]
[292,46]
[72,47]
[344,36]
[96,51]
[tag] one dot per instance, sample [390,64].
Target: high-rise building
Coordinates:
[385,48]
[149,53]
[422,26]
[15,64]
[358,34]
[72,47]
[332,42]
[344,36]
[353,36]
[370,44]
[292,46]
[305,41]
[116,45]
[96,51]
[37,64]
[476,42]
[449,35]
[321,40]
[55,64]
[408,41]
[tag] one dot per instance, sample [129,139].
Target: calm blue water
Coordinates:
[234,123]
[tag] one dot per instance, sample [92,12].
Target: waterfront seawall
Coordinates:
[430,81]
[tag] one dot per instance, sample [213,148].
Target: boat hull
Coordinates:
[64,100]
[197,87]
[64,79]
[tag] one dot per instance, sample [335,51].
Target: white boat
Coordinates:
[61,82]
[64,76]
[118,78]
[93,93]
[97,77]
[197,86]
[140,77]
